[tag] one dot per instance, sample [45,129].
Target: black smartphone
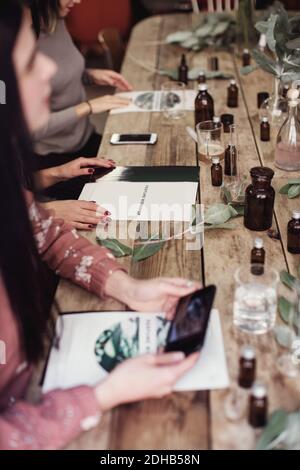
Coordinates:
[188,328]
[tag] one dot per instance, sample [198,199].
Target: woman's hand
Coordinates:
[149,376]
[107,103]
[82,215]
[109,77]
[81,166]
[153,295]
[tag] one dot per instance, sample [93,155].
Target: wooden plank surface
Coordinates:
[191,420]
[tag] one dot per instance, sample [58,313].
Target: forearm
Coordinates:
[43,179]
[120,286]
[83,110]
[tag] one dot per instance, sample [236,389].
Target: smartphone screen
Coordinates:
[134,138]
[188,328]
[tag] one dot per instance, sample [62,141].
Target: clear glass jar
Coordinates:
[287,150]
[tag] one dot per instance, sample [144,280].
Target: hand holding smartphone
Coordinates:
[188,328]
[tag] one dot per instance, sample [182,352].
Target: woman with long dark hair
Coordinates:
[69,133]
[30,235]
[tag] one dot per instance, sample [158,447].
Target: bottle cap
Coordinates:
[232,81]
[258,243]
[216,119]
[202,87]
[246,51]
[215,160]
[264,119]
[201,74]
[248,352]
[262,172]
[227,119]
[259,390]
[296,214]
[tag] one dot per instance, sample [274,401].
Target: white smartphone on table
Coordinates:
[129,139]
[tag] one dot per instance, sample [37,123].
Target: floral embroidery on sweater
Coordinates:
[81,270]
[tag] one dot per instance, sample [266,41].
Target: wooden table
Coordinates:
[192,420]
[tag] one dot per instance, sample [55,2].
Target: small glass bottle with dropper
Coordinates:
[204,105]
[232,94]
[264,130]
[201,77]
[293,233]
[235,405]
[231,153]
[183,70]
[216,172]
[246,57]
[258,406]
[258,256]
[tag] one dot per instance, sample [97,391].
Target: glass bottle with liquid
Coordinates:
[204,105]
[246,57]
[258,406]
[287,150]
[232,94]
[183,70]
[201,78]
[227,120]
[259,199]
[258,256]
[264,130]
[293,233]
[216,172]
[231,153]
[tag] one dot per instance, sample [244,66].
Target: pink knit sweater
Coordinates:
[62,414]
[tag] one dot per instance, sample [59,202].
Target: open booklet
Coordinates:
[147,101]
[146,193]
[93,343]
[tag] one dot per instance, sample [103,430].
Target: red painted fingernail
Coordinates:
[91,170]
[107,213]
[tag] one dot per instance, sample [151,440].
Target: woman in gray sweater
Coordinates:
[69,134]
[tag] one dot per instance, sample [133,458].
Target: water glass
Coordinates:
[173,99]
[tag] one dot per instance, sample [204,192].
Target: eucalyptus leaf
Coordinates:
[190,42]
[227,226]
[147,249]
[117,248]
[217,214]
[226,194]
[294,191]
[203,30]
[248,69]
[220,28]
[265,62]
[285,189]
[233,211]
[287,279]
[293,44]
[178,37]
[284,307]
[271,41]
[276,426]
[284,335]
[294,181]
[239,209]
[262,27]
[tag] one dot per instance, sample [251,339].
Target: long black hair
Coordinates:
[21,269]
[45,14]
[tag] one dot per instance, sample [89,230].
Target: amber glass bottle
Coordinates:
[258,406]
[293,233]
[204,105]
[246,57]
[216,172]
[264,130]
[232,94]
[259,200]
[258,256]
[247,367]
[183,70]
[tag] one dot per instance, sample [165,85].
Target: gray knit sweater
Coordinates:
[65,132]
